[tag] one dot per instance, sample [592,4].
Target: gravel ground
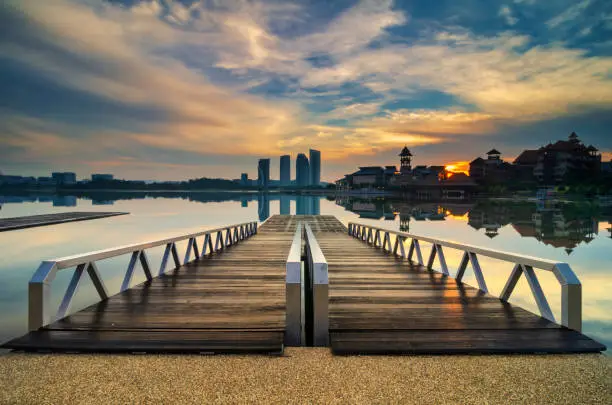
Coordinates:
[304,375]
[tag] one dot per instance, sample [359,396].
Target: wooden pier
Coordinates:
[361,297]
[31,221]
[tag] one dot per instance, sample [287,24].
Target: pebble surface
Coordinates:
[304,375]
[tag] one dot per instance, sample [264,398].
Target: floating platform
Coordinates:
[31,221]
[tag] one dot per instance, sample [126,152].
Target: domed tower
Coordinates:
[405,161]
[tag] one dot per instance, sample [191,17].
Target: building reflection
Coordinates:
[388,210]
[263,206]
[559,225]
[285,205]
[563,226]
[304,204]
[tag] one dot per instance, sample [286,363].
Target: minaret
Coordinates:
[405,161]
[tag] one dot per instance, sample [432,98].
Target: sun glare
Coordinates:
[458,167]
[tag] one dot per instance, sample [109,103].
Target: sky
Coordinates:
[179,89]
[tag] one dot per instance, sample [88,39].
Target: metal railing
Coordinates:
[319,286]
[571,289]
[293,287]
[39,289]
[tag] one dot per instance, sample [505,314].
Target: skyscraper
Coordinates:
[263,173]
[285,170]
[315,167]
[244,179]
[302,170]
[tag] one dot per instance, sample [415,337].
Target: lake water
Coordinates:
[579,234]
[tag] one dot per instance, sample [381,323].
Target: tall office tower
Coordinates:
[302,170]
[263,173]
[315,167]
[285,170]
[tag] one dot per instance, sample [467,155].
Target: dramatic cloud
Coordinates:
[206,87]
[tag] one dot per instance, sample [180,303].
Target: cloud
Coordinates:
[249,78]
[507,15]
[117,55]
[570,14]
[502,75]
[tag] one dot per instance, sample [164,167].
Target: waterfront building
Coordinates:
[315,167]
[302,171]
[567,160]
[102,177]
[405,161]
[64,178]
[285,170]
[263,173]
[422,182]
[46,181]
[524,165]
[244,180]
[368,177]
[493,169]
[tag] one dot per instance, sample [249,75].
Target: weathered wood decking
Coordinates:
[229,302]
[235,301]
[381,304]
[30,221]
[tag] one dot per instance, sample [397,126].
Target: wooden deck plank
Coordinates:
[234,302]
[380,303]
[230,302]
[462,342]
[153,341]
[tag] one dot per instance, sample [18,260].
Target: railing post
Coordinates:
[571,296]
[571,289]
[39,296]
[293,291]
[188,251]
[319,280]
[442,259]
[97,281]
[514,277]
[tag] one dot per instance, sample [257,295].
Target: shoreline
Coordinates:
[304,375]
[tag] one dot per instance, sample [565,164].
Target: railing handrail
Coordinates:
[39,287]
[571,289]
[293,290]
[70,261]
[317,256]
[293,275]
[319,285]
[536,262]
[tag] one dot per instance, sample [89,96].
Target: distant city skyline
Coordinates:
[159,90]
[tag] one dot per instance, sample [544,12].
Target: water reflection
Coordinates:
[304,204]
[560,225]
[544,230]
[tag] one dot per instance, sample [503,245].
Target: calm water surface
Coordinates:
[578,234]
